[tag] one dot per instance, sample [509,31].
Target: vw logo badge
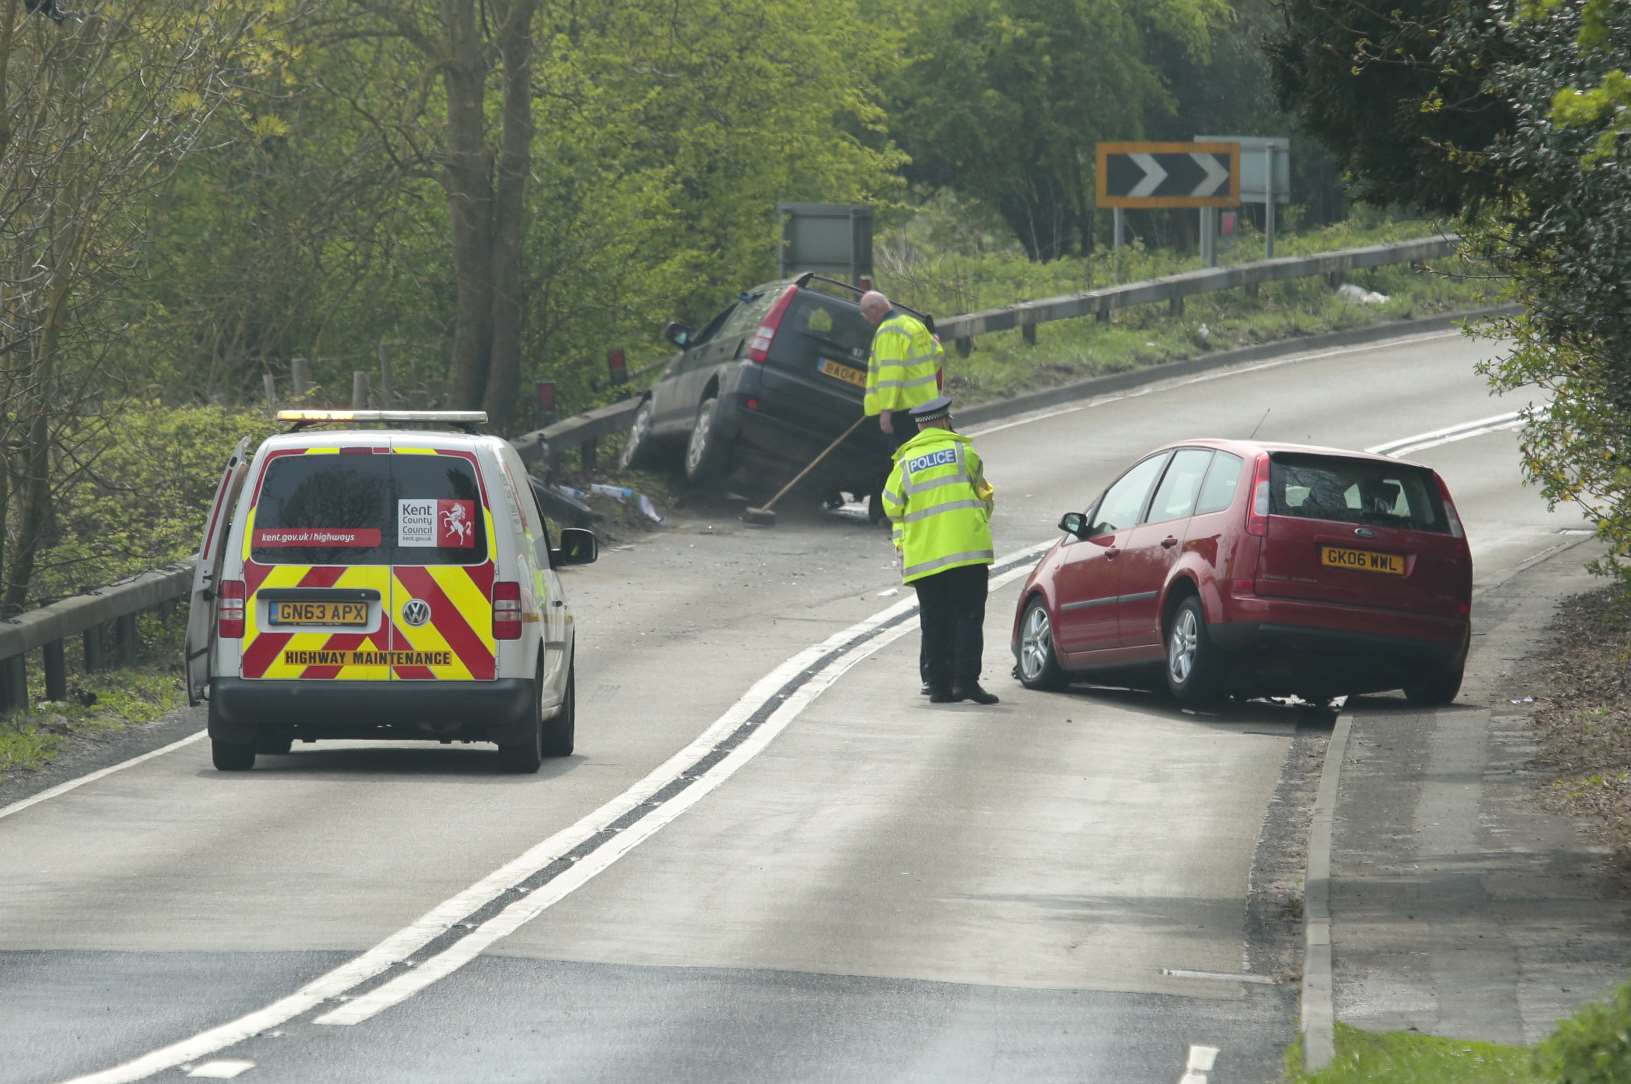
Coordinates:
[415,612]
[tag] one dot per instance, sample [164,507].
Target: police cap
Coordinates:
[937,407]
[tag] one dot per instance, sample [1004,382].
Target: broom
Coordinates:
[763,516]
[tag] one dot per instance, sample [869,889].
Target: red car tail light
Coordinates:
[229,610]
[506,610]
[1257,511]
[1449,508]
[765,333]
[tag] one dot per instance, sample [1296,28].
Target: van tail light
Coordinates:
[1449,508]
[1257,512]
[506,610]
[229,610]
[765,333]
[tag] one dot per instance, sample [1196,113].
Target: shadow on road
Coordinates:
[381,763]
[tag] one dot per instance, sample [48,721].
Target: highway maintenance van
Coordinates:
[359,583]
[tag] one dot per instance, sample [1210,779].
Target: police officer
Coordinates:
[940,505]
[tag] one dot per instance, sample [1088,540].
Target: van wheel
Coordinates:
[639,450]
[527,755]
[231,756]
[274,746]
[1194,667]
[705,451]
[558,732]
[1038,665]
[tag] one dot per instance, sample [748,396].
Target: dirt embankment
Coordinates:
[1582,685]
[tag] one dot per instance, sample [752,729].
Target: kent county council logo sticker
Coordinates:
[415,612]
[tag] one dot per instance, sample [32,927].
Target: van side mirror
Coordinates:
[1074,523]
[578,547]
[677,333]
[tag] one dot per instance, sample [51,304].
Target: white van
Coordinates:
[382,583]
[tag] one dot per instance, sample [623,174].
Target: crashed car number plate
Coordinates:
[848,374]
[1362,560]
[319,613]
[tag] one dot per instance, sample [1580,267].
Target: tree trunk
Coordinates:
[467,180]
[509,215]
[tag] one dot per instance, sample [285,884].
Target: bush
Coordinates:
[137,495]
[1591,1047]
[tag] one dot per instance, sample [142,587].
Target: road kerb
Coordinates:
[1318,1013]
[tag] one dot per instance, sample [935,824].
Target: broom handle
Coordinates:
[797,478]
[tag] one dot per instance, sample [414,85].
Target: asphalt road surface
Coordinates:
[770,858]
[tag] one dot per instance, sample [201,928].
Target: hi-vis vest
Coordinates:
[903,370]
[939,503]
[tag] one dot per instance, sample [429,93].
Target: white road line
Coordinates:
[1201,1060]
[1466,434]
[1392,446]
[100,773]
[400,946]
[223,1069]
[1204,378]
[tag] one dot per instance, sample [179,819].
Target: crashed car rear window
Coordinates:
[828,320]
[328,509]
[1360,491]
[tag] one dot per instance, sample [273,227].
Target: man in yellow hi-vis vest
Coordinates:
[939,504]
[902,371]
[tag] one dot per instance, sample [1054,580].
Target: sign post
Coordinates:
[1265,175]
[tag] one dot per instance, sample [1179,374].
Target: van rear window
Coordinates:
[331,509]
[1354,491]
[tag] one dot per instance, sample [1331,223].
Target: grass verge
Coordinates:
[1405,1057]
[98,705]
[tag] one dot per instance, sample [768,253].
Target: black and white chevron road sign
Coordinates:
[1168,174]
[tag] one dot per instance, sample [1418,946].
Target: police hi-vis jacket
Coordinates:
[903,370]
[940,505]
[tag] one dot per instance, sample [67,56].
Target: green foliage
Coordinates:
[1003,100]
[1591,1047]
[101,703]
[139,497]
[1402,1057]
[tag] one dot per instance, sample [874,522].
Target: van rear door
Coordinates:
[317,574]
[442,568]
[207,573]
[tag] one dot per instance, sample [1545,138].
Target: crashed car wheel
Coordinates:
[639,450]
[705,451]
[1194,670]
[1038,665]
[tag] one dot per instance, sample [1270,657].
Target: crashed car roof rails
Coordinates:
[804,280]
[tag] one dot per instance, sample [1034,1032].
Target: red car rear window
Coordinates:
[1354,491]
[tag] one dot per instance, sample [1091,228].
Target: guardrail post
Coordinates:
[588,450]
[1175,305]
[1334,279]
[56,671]
[93,649]
[1251,290]
[13,684]
[1103,315]
[965,347]
[359,390]
[299,378]
[1028,333]
[127,638]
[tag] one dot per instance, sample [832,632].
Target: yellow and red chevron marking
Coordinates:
[458,638]
[278,655]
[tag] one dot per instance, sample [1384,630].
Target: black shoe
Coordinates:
[943,696]
[976,694]
[925,690]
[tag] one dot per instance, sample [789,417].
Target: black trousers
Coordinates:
[905,430]
[951,612]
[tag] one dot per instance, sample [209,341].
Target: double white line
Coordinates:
[1495,423]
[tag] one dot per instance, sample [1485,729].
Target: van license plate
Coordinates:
[319,613]
[847,373]
[1362,560]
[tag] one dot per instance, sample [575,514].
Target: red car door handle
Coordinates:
[1168,542]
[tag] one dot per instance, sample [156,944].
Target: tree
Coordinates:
[95,113]
[1514,120]
[1004,100]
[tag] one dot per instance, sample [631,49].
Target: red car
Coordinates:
[1255,569]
